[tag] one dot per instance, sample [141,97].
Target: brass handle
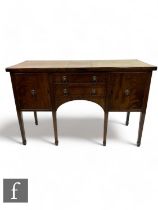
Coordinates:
[93,92]
[64,78]
[65,91]
[33,93]
[94,78]
[127,92]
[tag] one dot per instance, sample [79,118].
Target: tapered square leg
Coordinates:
[21,124]
[141,124]
[36,119]
[105,127]
[55,127]
[127,118]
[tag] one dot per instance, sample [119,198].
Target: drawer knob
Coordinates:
[94,78]
[33,92]
[65,91]
[93,92]
[127,92]
[64,78]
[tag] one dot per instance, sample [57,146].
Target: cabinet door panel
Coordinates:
[32,91]
[127,91]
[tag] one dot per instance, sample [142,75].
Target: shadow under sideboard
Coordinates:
[86,129]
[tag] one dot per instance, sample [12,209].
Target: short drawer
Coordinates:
[79,78]
[62,90]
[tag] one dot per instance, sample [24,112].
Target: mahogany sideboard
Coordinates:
[115,85]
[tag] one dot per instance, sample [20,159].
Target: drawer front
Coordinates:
[32,91]
[79,78]
[68,90]
[127,91]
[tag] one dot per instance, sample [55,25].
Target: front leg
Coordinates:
[105,127]
[127,118]
[21,124]
[55,127]
[36,119]
[141,124]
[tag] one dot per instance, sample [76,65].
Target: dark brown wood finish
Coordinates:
[65,90]
[127,118]
[98,100]
[32,91]
[21,124]
[127,91]
[55,127]
[36,119]
[141,124]
[92,78]
[117,85]
[105,127]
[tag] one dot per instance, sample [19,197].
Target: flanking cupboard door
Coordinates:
[127,91]
[32,91]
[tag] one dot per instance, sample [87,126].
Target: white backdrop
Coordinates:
[80,173]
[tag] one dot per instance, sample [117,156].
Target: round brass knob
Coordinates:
[33,92]
[127,92]
[64,78]
[65,91]
[94,78]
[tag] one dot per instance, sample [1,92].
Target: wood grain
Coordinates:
[81,65]
[115,85]
[127,91]
[32,91]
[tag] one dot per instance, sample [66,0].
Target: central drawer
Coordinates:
[79,78]
[90,90]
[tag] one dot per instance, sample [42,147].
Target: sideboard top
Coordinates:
[101,65]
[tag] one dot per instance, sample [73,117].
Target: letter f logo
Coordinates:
[14,190]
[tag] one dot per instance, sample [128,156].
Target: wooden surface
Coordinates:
[95,65]
[121,85]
